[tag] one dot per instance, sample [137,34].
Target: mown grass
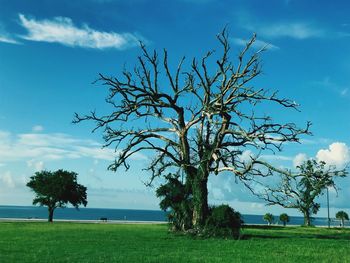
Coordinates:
[73,242]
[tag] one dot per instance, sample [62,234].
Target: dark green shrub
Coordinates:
[223,221]
[176,199]
[342,216]
[284,218]
[269,218]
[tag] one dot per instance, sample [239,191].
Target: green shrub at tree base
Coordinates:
[176,199]
[223,221]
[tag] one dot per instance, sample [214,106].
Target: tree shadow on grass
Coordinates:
[295,236]
[249,237]
[272,227]
[288,234]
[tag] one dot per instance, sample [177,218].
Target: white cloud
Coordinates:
[62,30]
[344,92]
[258,44]
[8,39]
[246,156]
[7,179]
[328,83]
[218,194]
[50,139]
[36,147]
[280,29]
[37,128]
[97,152]
[336,154]
[275,157]
[38,166]
[292,30]
[122,198]
[316,141]
[299,159]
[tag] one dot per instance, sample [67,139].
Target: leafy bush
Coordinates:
[284,218]
[342,216]
[176,199]
[223,221]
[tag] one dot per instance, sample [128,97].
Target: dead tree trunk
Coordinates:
[200,200]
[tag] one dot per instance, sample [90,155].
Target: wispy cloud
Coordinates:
[299,159]
[294,30]
[316,141]
[37,128]
[38,166]
[7,179]
[5,37]
[35,148]
[122,198]
[328,83]
[258,44]
[62,30]
[276,157]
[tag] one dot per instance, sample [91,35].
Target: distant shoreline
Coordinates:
[81,221]
[124,216]
[132,222]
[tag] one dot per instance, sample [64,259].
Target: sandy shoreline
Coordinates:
[131,222]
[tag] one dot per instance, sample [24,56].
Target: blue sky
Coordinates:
[52,51]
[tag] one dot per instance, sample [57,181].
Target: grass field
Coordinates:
[74,242]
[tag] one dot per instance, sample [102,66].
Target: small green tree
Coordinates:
[57,189]
[284,218]
[269,218]
[342,216]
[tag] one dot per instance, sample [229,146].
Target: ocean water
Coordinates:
[33,212]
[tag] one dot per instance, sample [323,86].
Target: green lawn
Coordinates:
[73,242]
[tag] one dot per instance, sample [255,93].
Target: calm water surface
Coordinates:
[123,214]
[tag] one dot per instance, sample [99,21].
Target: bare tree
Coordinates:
[196,121]
[301,189]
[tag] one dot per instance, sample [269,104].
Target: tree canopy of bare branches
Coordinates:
[300,190]
[196,119]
